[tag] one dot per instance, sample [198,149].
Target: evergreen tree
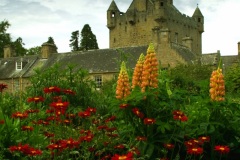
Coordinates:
[74,41]
[88,39]
[34,50]
[5,38]
[18,46]
[51,40]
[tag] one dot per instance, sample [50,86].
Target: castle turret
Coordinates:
[159,11]
[112,13]
[170,2]
[141,5]
[198,17]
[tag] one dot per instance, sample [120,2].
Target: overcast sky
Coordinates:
[36,20]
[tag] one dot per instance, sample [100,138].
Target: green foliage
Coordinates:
[88,39]
[233,79]
[74,44]
[34,50]
[18,47]
[5,38]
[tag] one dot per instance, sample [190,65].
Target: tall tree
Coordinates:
[5,37]
[74,41]
[18,46]
[34,50]
[88,39]
[50,40]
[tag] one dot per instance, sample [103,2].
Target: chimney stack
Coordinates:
[47,50]
[8,51]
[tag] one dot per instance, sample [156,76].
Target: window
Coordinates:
[18,65]
[199,19]
[16,85]
[98,81]
[176,37]
[161,4]
[113,14]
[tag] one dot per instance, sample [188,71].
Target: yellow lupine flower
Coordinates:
[137,74]
[217,85]
[150,69]
[123,85]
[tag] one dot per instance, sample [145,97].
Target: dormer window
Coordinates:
[18,65]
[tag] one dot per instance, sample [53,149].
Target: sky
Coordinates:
[36,20]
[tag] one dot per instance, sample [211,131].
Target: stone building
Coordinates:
[177,38]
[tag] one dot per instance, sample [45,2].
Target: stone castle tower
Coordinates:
[157,21]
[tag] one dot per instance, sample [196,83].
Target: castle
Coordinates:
[177,38]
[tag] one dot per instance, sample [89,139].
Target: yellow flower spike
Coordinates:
[123,86]
[137,74]
[150,69]
[151,48]
[217,86]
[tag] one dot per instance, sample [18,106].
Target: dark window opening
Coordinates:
[113,14]
[176,37]
[98,81]
[114,40]
[161,4]
[199,19]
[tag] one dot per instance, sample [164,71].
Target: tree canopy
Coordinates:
[74,44]
[88,39]
[5,38]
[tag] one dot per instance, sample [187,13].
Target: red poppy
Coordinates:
[2,122]
[128,156]
[20,115]
[222,149]
[56,146]
[141,138]
[137,113]
[149,121]
[52,89]
[87,138]
[169,146]
[36,99]
[2,87]
[195,150]
[123,106]
[204,139]
[27,128]
[70,143]
[59,105]
[112,118]
[69,91]
[102,127]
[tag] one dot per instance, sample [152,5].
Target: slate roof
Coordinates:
[95,61]
[229,60]
[184,52]
[210,58]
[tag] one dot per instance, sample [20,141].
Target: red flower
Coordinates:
[137,113]
[84,114]
[2,87]
[32,111]
[2,122]
[135,151]
[59,105]
[149,121]
[70,143]
[204,139]
[222,149]
[87,138]
[35,99]
[120,146]
[128,156]
[27,128]
[140,138]
[33,152]
[112,118]
[168,146]
[111,129]
[102,127]
[179,115]
[57,146]
[195,150]
[123,106]
[91,110]
[69,91]
[70,115]
[19,147]
[48,134]
[52,89]
[20,115]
